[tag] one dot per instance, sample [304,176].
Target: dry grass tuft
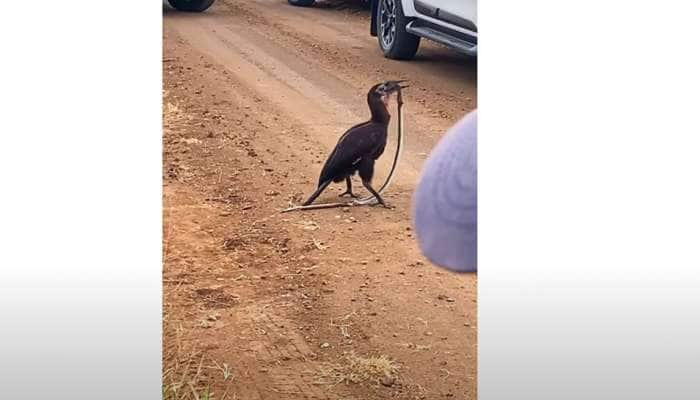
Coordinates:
[358,369]
[171,114]
[182,366]
[185,374]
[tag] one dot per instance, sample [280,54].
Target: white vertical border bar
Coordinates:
[80,210]
[589,200]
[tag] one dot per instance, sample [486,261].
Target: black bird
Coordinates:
[360,146]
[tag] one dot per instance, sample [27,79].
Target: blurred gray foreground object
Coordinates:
[444,205]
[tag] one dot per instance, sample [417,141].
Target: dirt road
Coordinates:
[327,304]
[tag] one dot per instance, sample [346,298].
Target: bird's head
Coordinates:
[383,91]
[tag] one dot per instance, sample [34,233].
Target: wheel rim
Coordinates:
[387,22]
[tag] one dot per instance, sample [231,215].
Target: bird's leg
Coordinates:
[318,191]
[367,186]
[349,191]
[366,171]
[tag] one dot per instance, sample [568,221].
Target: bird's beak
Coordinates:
[396,85]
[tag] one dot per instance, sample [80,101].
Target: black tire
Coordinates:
[191,5]
[301,3]
[396,43]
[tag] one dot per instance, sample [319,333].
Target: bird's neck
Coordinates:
[379,112]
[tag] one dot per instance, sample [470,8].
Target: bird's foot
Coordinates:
[351,194]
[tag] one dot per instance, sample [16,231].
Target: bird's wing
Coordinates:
[358,142]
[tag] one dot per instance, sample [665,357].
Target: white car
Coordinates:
[400,24]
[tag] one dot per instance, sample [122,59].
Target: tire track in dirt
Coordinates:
[344,36]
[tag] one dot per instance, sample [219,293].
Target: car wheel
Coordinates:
[394,41]
[191,5]
[301,3]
